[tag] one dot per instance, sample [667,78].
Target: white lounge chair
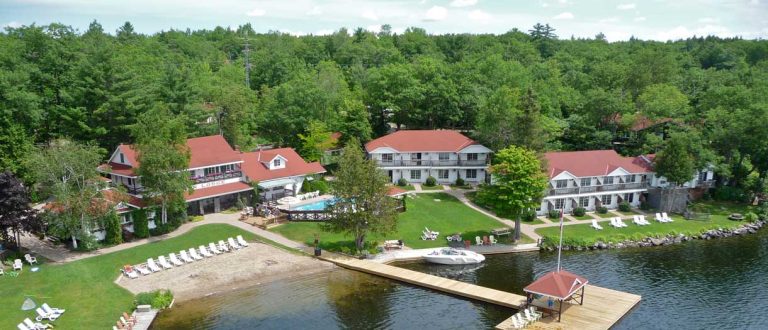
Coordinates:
[2,272]
[48,309]
[241,241]
[21,326]
[130,272]
[516,324]
[620,223]
[152,265]
[42,315]
[492,239]
[17,265]
[478,240]
[643,220]
[613,223]
[193,253]
[35,325]
[636,220]
[142,270]
[212,248]
[659,218]
[223,246]
[596,225]
[185,256]
[536,313]
[521,319]
[175,260]
[205,252]
[666,217]
[233,244]
[161,260]
[30,259]
[530,317]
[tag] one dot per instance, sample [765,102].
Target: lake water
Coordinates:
[697,285]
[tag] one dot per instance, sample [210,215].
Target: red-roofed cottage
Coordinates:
[279,172]
[417,154]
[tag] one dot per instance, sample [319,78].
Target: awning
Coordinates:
[276,183]
[220,190]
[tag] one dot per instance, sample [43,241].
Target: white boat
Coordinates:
[450,256]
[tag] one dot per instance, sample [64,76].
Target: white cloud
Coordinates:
[315,11]
[463,3]
[479,15]
[682,32]
[370,15]
[640,19]
[12,24]
[709,20]
[256,12]
[565,15]
[374,28]
[609,20]
[323,32]
[626,6]
[436,13]
[754,2]
[544,4]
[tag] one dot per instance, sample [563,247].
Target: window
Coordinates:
[559,203]
[387,158]
[702,176]
[629,197]
[444,156]
[607,199]
[210,170]
[471,174]
[442,174]
[586,182]
[472,156]
[277,162]
[629,178]
[416,175]
[608,180]
[122,158]
[561,183]
[584,202]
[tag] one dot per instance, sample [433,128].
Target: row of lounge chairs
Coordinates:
[185,257]
[486,240]
[663,217]
[308,195]
[126,322]
[44,312]
[428,235]
[29,325]
[525,317]
[636,219]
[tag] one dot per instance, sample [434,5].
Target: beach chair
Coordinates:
[613,222]
[643,220]
[492,239]
[213,248]
[241,241]
[659,218]
[130,318]
[2,272]
[204,251]
[126,322]
[233,244]
[193,253]
[521,319]
[620,223]
[536,313]
[152,265]
[175,260]
[42,315]
[666,217]
[636,220]
[516,324]
[30,259]
[17,265]
[164,263]
[596,225]
[223,246]
[21,326]
[36,325]
[478,240]
[128,271]
[185,256]
[142,270]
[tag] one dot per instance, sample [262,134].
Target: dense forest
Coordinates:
[528,88]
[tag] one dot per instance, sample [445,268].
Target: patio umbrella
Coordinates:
[28,304]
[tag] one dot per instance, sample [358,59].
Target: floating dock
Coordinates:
[601,310]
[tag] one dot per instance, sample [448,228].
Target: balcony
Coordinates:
[584,190]
[433,163]
[217,177]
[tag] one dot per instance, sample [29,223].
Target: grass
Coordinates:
[435,187]
[448,216]
[583,217]
[606,215]
[584,235]
[409,187]
[85,288]
[466,187]
[472,196]
[626,214]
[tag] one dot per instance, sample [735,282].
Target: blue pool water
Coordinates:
[319,205]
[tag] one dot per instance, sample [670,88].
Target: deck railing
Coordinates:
[583,190]
[434,163]
[218,177]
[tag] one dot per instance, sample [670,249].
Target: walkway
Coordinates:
[527,230]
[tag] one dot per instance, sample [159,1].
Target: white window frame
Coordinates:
[608,180]
[560,201]
[584,202]
[387,158]
[415,175]
[587,180]
[629,178]
[473,156]
[468,176]
[443,177]
[561,184]
[608,197]
[444,156]
[277,162]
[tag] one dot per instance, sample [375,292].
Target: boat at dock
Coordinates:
[450,256]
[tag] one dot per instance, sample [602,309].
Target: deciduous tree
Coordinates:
[16,213]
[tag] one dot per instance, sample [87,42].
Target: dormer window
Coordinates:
[122,158]
[276,162]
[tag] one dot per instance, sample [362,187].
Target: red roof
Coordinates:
[422,140]
[256,170]
[592,163]
[225,189]
[643,122]
[559,285]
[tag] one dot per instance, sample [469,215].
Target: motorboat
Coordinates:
[450,256]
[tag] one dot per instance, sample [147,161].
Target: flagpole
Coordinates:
[560,246]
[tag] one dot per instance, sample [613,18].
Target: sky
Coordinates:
[618,20]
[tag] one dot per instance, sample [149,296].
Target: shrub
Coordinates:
[158,299]
[727,193]
[645,206]
[528,215]
[140,224]
[553,214]
[88,243]
[602,210]
[579,211]
[460,182]
[625,207]
[114,232]
[402,182]
[317,184]
[431,181]
[750,217]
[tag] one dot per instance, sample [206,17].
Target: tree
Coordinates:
[16,214]
[529,132]
[163,156]
[677,163]
[495,125]
[518,184]
[363,206]
[113,230]
[66,171]
[662,100]
[317,140]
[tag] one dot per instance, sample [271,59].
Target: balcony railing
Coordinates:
[432,162]
[610,187]
[217,177]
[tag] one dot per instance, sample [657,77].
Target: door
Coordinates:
[389,173]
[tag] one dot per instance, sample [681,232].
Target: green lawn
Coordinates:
[409,187]
[607,215]
[583,217]
[627,214]
[446,216]
[584,234]
[435,187]
[85,288]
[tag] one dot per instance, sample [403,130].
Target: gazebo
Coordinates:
[560,285]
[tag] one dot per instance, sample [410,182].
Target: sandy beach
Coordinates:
[256,264]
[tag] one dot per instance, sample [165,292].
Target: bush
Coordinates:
[158,299]
[732,194]
[460,182]
[750,217]
[602,210]
[431,181]
[645,206]
[317,184]
[88,243]
[114,232]
[625,207]
[140,224]
[528,215]
[402,182]
[553,214]
[579,211]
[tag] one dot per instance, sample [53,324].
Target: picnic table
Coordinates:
[501,231]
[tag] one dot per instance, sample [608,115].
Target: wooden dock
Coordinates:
[601,310]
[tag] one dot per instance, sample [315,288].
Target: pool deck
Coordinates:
[304,202]
[602,308]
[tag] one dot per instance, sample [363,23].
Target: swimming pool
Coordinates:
[315,206]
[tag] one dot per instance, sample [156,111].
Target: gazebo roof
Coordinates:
[560,285]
